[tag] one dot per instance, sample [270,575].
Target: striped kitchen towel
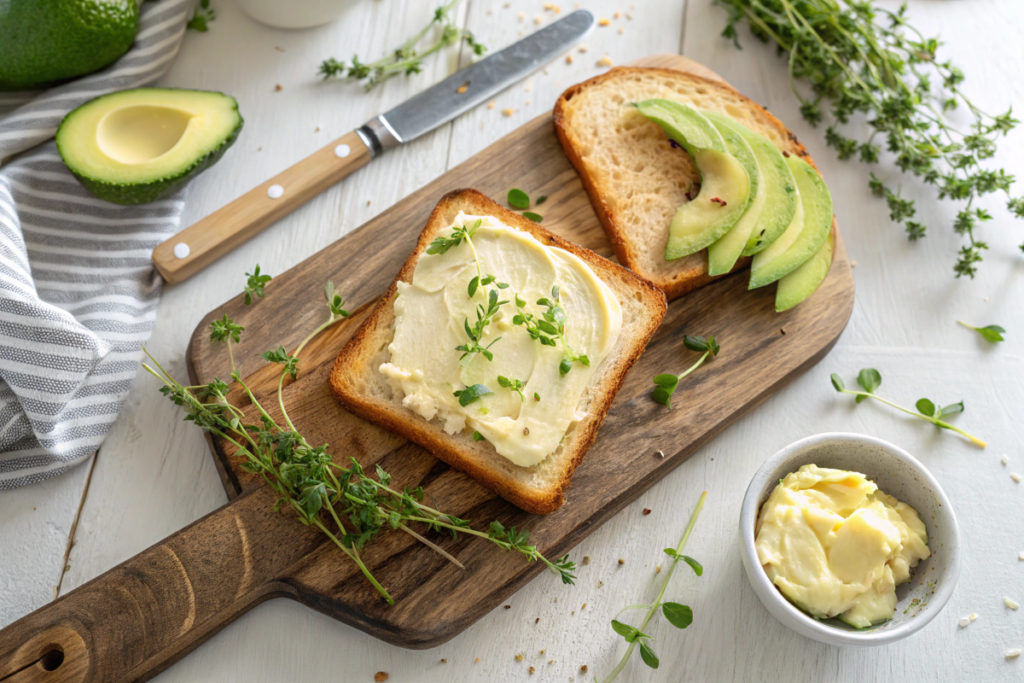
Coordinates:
[78,291]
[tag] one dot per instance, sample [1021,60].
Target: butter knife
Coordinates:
[202,243]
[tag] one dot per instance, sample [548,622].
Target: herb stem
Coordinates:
[358,560]
[433,546]
[934,420]
[653,607]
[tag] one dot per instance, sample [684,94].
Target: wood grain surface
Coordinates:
[146,613]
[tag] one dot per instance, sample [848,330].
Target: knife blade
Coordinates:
[205,241]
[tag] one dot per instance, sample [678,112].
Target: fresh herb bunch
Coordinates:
[870,379]
[865,59]
[667,383]
[201,17]
[549,329]
[678,615]
[255,283]
[406,58]
[343,503]
[991,333]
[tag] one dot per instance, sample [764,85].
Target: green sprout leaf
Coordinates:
[678,615]
[647,654]
[869,379]
[990,333]
[518,199]
[471,393]
[541,199]
[838,383]
[255,284]
[667,383]
[624,630]
[925,407]
[535,217]
[696,566]
[477,436]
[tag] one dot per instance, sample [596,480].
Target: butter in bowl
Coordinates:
[849,540]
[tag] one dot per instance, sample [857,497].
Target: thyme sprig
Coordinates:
[677,614]
[225,330]
[549,329]
[870,379]
[513,385]
[255,283]
[406,58]
[861,58]
[667,382]
[484,316]
[201,17]
[343,502]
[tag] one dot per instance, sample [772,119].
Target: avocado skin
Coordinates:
[143,193]
[48,41]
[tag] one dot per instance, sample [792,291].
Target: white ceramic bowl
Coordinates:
[897,473]
[294,13]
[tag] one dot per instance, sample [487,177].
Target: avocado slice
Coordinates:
[780,192]
[803,238]
[48,41]
[806,279]
[138,146]
[725,188]
[723,254]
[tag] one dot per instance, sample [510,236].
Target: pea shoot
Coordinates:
[667,382]
[990,333]
[870,379]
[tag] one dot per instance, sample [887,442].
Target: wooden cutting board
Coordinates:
[145,614]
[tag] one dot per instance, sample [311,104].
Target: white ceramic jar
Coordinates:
[294,13]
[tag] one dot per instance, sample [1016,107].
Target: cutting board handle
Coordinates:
[205,241]
[143,615]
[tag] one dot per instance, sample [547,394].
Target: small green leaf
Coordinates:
[535,217]
[471,393]
[518,199]
[694,564]
[624,630]
[837,382]
[666,380]
[869,379]
[477,436]
[925,407]
[565,366]
[952,409]
[678,615]
[536,396]
[695,343]
[647,654]
[663,394]
[473,284]
[991,333]
[541,199]
[671,552]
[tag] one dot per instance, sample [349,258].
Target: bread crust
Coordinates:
[692,275]
[454,449]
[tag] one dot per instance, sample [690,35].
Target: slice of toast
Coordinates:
[634,178]
[357,382]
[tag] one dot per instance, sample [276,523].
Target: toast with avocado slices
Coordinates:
[669,160]
[358,378]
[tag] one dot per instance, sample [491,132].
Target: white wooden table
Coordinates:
[154,473]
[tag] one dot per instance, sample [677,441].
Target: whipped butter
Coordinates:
[432,311]
[836,546]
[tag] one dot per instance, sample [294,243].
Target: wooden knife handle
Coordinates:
[143,615]
[202,243]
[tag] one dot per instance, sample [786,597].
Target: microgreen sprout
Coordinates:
[870,379]
[667,382]
[225,330]
[862,59]
[515,385]
[344,503]
[255,284]
[471,393]
[677,614]
[991,333]
[535,217]
[406,58]
[484,316]
[549,329]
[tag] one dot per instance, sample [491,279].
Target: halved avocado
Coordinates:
[802,239]
[806,279]
[723,254]
[725,188]
[138,146]
[780,192]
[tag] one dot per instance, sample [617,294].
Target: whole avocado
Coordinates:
[48,41]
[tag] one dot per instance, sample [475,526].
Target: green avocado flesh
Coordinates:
[780,192]
[803,238]
[48,41]
[723,254]
[725,190]
[806,279]
[138,146]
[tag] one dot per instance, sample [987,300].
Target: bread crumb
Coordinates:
[600,584]
[607,61]
[586,559]
[528,102]
[444,661]
[462,88]
[617,15]
[657,570]
[964,621]
[622,561]
[543,651]
[583,668]
[507,5]
[1013,654]
[538,20]
[259,149]
[367,202]
[629,16]
[551,661]
[646,511]
[277,87]
[582,48]
[532,670]
[584,606]
[522,16]
[380,676]
[603,21]
[1015,477]
[491,105]
[519,656]
[508,112]
[853,264]
[573,613]
[477,660]
[317,129]
[1011,603]
[568,59]
[973,616]
[621,31]
[508,606]
[537,620]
